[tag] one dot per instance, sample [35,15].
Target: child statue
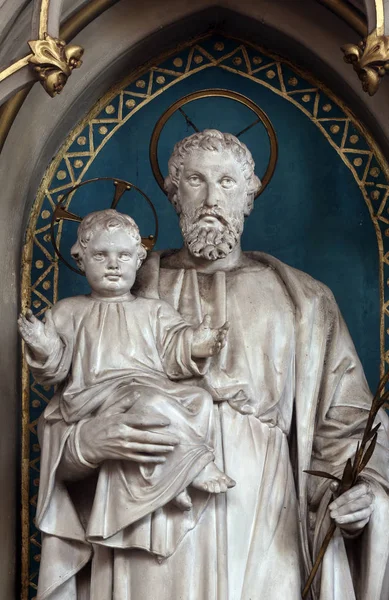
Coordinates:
[109,352]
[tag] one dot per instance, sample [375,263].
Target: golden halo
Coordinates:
[213,93]
[121,186]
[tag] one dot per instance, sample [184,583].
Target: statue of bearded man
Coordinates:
[289,395]
[214,237]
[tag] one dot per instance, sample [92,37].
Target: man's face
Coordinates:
[212,194]
[110,261]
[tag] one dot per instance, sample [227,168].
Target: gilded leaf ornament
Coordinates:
[370,60]
[53,62]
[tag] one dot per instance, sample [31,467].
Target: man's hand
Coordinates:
[207,341]
[352,510]
[41,338]
[126,437]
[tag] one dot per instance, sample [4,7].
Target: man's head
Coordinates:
[109,251]
[212,185]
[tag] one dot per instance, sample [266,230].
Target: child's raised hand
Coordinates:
[41,338]
[207,341]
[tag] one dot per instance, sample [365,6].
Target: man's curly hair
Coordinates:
[211,140]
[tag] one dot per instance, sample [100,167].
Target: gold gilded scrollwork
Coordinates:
[370,60]
[53,62]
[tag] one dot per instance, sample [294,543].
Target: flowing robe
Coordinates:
[290,355]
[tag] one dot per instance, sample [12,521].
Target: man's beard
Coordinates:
[206,241]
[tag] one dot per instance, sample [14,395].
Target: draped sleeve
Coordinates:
[56,367]
[174,341]
[342,406]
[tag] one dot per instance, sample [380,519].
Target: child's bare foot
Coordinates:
[183,500]
[212,480]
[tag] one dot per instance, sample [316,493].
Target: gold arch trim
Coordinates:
[95,130]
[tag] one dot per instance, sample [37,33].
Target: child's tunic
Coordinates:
[116,357]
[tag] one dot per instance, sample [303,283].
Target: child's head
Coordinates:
[109,251]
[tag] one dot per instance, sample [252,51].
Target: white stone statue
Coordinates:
[288,391]
[109,353]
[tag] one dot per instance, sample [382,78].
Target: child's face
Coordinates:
[110,261]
